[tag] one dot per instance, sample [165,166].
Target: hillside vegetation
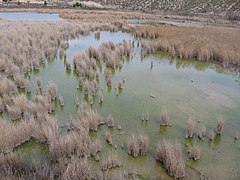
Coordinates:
[219,7]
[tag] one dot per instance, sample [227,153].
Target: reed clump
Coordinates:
[164,121]
[96,147]
[194,152]
[201,133]
[190,128]
[110,121]
[51,90]
[7,87]
[78,169]
[220,125]
[171,156]
[87,118]
[111,161]
[13,135]
[138,145]
[211,135]
[108,137]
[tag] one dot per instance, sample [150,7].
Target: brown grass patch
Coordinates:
[204,43]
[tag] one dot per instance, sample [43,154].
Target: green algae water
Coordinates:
[186,87]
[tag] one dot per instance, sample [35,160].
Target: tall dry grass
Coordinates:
[171,156]
[190,128]
[111,161]
[13,135]
[78,169]
[164,121]
[138,145]
[87,118]
[51,90]
[194,152]
[204,43]
[220,125]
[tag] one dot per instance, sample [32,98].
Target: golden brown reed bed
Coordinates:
[204,43]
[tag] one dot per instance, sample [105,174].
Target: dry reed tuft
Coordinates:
[143,144]
[201,133]
[87,118]
[61,100]
[194,152]
[90,99]
[220,126]
[7,87]
[12,135]
[138,145]
[171,156]
[133,146]
[108,137]
[100,98]
[46,129]
[19,81]
[110,121]
[190,128]
[110,162]
[96,147]
[12,164]
[39,82]
[78,169]
[51,90]
[211,135]
[164,121]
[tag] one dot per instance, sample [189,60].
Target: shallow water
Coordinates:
[187,88]
[30,16]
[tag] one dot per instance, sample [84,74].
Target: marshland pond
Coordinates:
[186,88]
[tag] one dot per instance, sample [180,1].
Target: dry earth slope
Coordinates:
[219,7]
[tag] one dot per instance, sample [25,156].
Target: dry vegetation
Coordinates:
[190,128]
[171,156]
[177,6]
[138,145]
[26,46]
[220,126]
[194,152]
[204,43]
[164,121]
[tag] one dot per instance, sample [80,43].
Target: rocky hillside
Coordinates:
[218,7]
